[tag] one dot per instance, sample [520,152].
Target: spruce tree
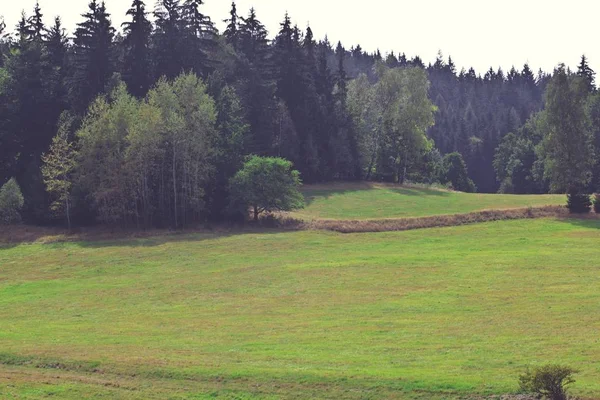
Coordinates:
[341,76]
[232,30]
[568,143]
[36,25]
[167,39]
[254,42]
[198,38]
[587,74]
[137,72]
[57,44]
[93,56]
[31,108]
[257,85]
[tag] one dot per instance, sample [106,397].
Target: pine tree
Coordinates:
[587,74]
[57,56]
[137,66]
[167,39]
[232,31]
[257,86]
[342,76]
[198,36]
[36,25]
[34,100]
[568,143]
[23,31]
[93,54]
[56,43]
[254,43]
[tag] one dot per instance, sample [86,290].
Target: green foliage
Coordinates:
[392,118]
[11,202]
[596,203]
[58,168]
[568,149]
[516,158]
[148,162]
[579,203]
[455,172]
[266,184]
[549,381]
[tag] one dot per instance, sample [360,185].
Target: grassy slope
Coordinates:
[373,201]
[301,314]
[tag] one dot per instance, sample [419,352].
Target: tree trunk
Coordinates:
[174,190]
[68,215]
[256,214]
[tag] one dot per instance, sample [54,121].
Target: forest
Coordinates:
[146,124]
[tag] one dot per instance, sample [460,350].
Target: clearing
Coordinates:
[428,314]
[361,201]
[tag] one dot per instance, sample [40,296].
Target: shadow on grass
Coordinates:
[588,221]
[314,192]
[104,237]
[325,191]
[178,237]
[421,192]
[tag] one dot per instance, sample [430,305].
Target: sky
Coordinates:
[475,33]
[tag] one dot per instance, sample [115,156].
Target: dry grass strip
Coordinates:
[16,234]
[405,224]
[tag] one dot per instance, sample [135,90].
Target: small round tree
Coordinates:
[266,184]
[578,203]
[11,202]
[455,173]
[596,202]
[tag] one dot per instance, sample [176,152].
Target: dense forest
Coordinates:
[148,122]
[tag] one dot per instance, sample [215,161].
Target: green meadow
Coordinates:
[361,201]
[427,314]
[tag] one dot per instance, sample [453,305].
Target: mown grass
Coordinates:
[429,314]
[378,201]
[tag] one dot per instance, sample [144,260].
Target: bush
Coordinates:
[456,174]
[549,381]
[597,203]
[578,203]
[11,202]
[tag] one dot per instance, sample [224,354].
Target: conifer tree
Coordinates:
[137,66]
[342,76]
[198,38]
[257,85]
[93,53]
[232,31]
[568,143]
[254,43]
[587,74]
[36,25]
[167,39]
[56,43]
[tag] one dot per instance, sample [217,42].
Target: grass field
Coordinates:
[428,314]
[376,201]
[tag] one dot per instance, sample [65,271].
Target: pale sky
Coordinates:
[504,33]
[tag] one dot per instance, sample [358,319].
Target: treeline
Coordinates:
[147,124]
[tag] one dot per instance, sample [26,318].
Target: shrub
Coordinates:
[597,203]
[549,381]
[456,174]
[11,202]
[578,203]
